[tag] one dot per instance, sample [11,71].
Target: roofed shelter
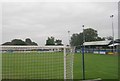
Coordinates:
[97,46]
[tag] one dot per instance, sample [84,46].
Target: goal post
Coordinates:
[69,61]
[37,62]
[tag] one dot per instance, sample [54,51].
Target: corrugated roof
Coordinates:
[106,42]
[115,44]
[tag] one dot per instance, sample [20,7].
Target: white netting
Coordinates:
[34,62]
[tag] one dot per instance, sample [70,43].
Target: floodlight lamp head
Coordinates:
[111,16]
[82,25]
[68,31]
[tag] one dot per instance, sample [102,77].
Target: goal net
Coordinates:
[34,62]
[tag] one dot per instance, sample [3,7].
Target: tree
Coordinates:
[76,40]
[50,41]
[17,42]
[7,43]
[28,41]
[100,39]
[58,42]
[20,42]
[33,43]
[108,38]
[90,35]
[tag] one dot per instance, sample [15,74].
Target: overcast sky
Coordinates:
[40,20]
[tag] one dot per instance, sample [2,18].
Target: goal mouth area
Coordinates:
[37,62]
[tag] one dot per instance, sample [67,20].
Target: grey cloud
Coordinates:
[43,19]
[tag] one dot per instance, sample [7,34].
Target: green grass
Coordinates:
[96,66]
[32,65]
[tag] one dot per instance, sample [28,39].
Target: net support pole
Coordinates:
[64,64]
[71,64]
[83,64]
[83,50]
[73,60]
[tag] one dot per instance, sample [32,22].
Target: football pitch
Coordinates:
[35,65]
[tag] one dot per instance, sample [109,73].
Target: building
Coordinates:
[101,47]
[12,49]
